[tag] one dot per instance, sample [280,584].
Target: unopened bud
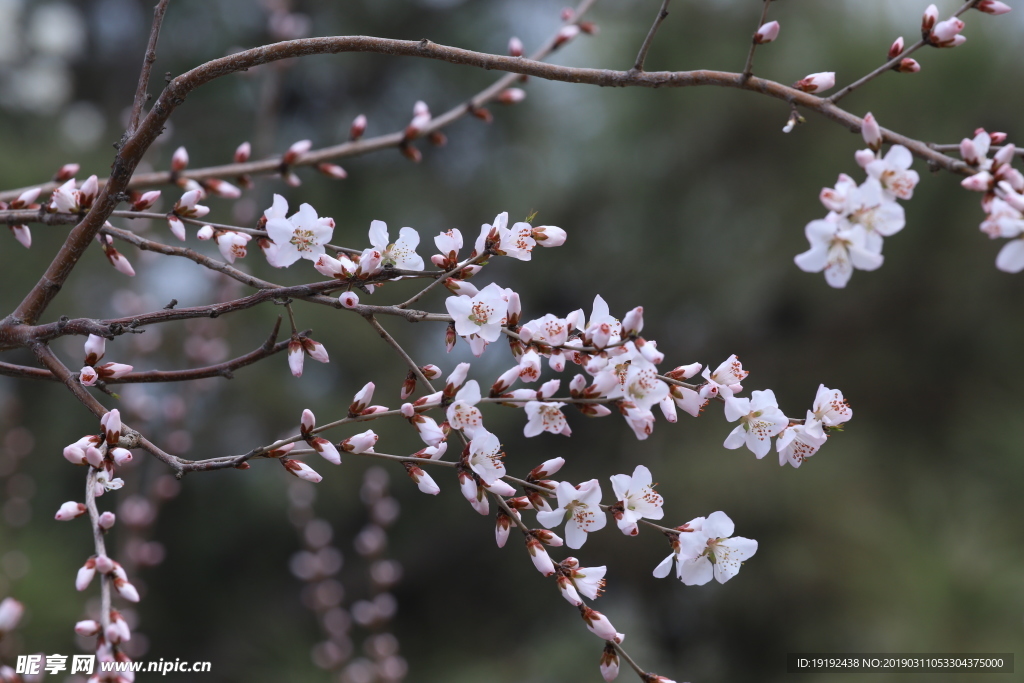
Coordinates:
[929,18]
[357,128]
[515,47]
[993,7]
[566,34]
[908,66]
[767,33]
[512,96]
[871,132]
[332,171]
[65,172]
[295,151]
[896,48]
[179,160]
[243,152]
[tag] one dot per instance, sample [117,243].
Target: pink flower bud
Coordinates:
[430,371]
[296,150]
[111,423]
[222,188]
[88,191]
[360,443]
[928,19]
[908,66]
[95,347]
[308,421]
[456,379]
[113,370]
[417,125]
[296,358]
[69,511]
[10,614]
[205,233]
[566,34]
[349,299]
[408,410]
[979,182]
[66,172]
[179,160]
[896,49]
[146,200]
[1004,155]
[871,132]
[369,263]
[301,470]
[947,33]
[995,138]
[568,13]
[291,179]
[243,152]
[327,449]
[816,82]
[609,663]
[568,590]
[549,236]
[26,198]
[515,47]
[126,590]
[106,520]
[599,625]
[105,565]
[512,96]
[357,128]
[94,456]
[633,322]
[546,468]
[22,234]
[121,456]
[423,481]
[993,7]
[332,171]
[177,227]
[863,158]
[85,574]
[119,262]
[87,376]
[685,372]
[767,33]
[315,350]
[502,526]
[362,399]
[500,488]
[88,627]
[541,559]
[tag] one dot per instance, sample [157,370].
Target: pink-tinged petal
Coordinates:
[719,525]
[664,567]
[696,572]
[379,235]
[1011,257]
[730,555]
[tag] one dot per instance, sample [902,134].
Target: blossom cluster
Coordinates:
[1002,188]
[860,216]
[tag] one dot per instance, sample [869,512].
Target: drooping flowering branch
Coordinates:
[618,368]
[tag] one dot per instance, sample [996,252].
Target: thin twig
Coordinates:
[416,370]
[141,94]
[748,69]
[641,56]
[99,544]
[892,63]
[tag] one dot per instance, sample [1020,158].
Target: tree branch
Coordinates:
[641,56]
[147,64]
[748,68]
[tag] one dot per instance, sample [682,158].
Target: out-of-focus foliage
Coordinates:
[902,535]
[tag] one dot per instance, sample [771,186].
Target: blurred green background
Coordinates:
[903,535]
